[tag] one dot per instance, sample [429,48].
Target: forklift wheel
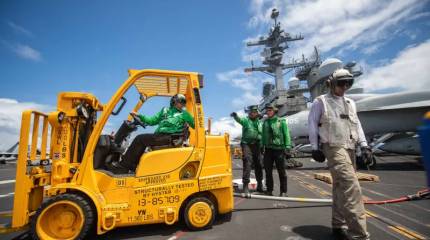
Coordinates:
[66,216]
[199,213]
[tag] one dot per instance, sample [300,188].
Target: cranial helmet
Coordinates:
[271,106]
[340,75]
[251,108]
[178,98]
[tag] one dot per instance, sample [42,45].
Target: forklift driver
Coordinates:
[171,121]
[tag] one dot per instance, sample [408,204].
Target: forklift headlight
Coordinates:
[60,116]
[189,171]
[56,118]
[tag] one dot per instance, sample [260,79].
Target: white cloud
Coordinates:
[228,125]
[369,50]
[19,29]
[10,119]
[237,78]
[251,53]
[246,99]
[22,50]
[259,16]
[331,24]
[248,84]
[408,71]
[27,52]
[385,26]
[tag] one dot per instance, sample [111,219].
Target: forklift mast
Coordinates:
[67,130]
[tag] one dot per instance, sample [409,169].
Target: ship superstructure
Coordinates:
[310,73]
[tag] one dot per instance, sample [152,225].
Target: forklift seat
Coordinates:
[176,140]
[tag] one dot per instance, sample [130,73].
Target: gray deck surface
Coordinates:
[266,219]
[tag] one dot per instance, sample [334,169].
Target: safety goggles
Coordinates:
[344,83]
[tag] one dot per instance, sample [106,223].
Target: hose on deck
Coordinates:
[425,193]
[422,194]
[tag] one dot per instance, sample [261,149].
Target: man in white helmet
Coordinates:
[334,132]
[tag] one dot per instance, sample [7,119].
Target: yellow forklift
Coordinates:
[64,191]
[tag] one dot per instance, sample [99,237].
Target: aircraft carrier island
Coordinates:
[393,184]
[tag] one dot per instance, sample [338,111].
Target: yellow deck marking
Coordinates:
[371,214]
[406,232]
[311,187]
[400,232]
[410,232]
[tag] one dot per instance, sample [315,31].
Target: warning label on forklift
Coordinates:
[142,215]
[210,183]
[163,190]
[152,180]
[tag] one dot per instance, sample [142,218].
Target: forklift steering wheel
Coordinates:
[138,121]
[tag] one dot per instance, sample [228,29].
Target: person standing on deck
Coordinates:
[251,145]
[334,132]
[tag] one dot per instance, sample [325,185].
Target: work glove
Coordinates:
[233,114]
[367,155]
[287,153]
[318,156]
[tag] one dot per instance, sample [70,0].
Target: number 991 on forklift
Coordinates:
[64,190]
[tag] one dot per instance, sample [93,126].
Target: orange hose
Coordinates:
[419,195]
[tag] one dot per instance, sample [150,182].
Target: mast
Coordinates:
[276,42]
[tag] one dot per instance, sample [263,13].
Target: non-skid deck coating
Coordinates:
[265,219]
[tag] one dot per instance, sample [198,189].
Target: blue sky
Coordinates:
[88,46]
[52,46]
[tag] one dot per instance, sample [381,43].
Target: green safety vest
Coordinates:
[276,134]
[251,130]
[170,120]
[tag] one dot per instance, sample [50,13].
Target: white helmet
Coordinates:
[341,75]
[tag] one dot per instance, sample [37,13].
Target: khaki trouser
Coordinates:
[348,208]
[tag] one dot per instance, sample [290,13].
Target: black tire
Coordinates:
[189,204]
[226,217]
[89,214]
